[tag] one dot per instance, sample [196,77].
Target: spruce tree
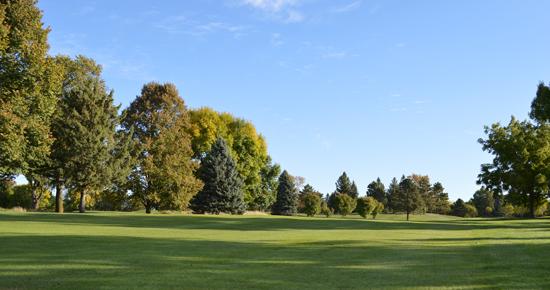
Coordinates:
[287,198]
[354,192]
[376,189]
[393,190]
[223,187]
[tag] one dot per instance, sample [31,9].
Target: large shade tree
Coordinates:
[521,163]
[164,174]
[29,82]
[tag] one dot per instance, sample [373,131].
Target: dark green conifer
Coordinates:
[287,198]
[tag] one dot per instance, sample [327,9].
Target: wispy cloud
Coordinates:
[271,5]
[279,10]
[182,24]
[348,7]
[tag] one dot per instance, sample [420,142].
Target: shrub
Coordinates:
[325,209]
[311,204]
[471,210]
[366,205]
[379,209]
[508,210]
[344,204]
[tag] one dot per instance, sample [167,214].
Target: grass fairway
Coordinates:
[122,250]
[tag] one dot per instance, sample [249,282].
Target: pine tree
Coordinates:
[354,192]
[408,198]
[223,187]
[343,184]
[164,174]
[376,189]
[393,190]
[287,198]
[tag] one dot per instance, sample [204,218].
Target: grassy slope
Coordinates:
[120,250]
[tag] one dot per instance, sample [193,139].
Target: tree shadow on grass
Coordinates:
[92,262]
[248,223]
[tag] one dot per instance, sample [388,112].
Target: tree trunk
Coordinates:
[82,205]
[58,196]
[35,198]
[531,206]
[407,215]
[147,209]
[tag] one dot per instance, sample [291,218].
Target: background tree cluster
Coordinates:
[60,129]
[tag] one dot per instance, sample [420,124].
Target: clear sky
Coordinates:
[373,88]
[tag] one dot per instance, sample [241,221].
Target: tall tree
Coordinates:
[442,204]
[377,190]
[29,81]
[343,184]
[263,199]
[408,199]
[393,190]
[247,147]
[521,164]
[540,107]
[354,192]
[287,198]
[484,202]
[163,176]
[222,191]
[85,137]
[424,188]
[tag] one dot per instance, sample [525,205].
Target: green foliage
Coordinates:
[222,191]
[442,204]
[484,202]
[379,209]
[163,175]
[312,203]
[522,162]
[365,206]
[22,196]
[540,107]
[29,81]
[344,185]
[247,147]
[302,195]
[354,192]
[84,128]
[462,209]
[344,204]
[393,191]
[377,190]
[325,209]
[408,198]
[287,198]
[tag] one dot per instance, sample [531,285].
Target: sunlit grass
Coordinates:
[130,250]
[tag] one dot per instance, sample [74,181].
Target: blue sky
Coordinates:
[375,88]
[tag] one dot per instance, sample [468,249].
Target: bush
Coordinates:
[21,196]
[344,204]
[325,209]
[508,210]
[311,204]
[471,211]
[379,209]
[366,205]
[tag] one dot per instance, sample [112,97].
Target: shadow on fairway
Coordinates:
[91,262]
[247,223]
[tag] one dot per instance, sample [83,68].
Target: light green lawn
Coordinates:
[130,250]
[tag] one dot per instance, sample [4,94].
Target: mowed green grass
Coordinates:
[130,250]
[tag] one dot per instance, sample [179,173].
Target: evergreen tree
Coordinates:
[222,191]
[84,127]
[354,192]
[265,198]
[287,198]
[540,108]
[377,190]
[408,198]
[393,190]
[442,204]
[164,174]
[343,184]
[311,203]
